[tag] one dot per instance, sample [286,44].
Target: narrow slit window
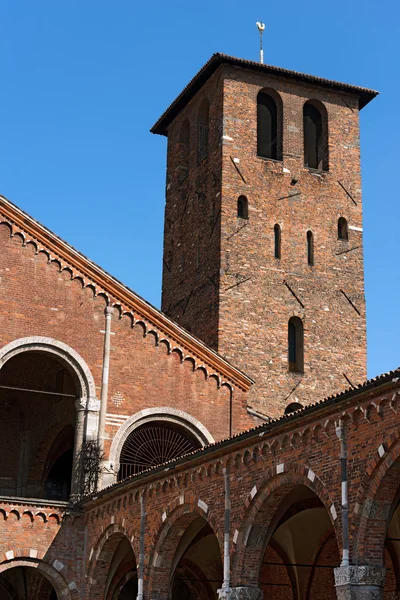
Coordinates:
[310,248]
[343,229]
[242,208]
[296,345]
[267,126]
[184,150]
[202,130]
[277,241]
[315,138]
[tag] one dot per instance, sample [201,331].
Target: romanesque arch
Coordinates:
[277,544]
[50,573]
[186,561]
[46,374]
[112,572]
[173,417]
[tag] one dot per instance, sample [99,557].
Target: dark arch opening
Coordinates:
[296,345]
[242,207]
[58,484]
[315,130]
[268,127]
[277,241]
[38,392]
[18,583]
[310,248]
[292,407]
[153,444]
[343,230]
[202,130]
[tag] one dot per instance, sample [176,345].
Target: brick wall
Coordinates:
[253,304]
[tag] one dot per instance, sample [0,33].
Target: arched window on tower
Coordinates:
[277,241]
[315,128]
[268,127]
[242,208]
[202,130]
[296,345]
[293,407]
[343,230]
[184,151]
[310,248]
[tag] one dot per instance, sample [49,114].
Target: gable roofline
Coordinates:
[160,127]
[34,231]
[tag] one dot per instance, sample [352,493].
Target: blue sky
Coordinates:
[83,81]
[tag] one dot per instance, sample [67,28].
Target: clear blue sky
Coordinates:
[83,81]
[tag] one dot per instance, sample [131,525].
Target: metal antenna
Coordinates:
[261,27]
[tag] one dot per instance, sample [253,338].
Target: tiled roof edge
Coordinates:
[217,59]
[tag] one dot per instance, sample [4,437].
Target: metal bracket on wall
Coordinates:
[236,284]
[290,196]
[350,302]
[349,250]
[238,170]
[294,294]
[237,231]
[347,192]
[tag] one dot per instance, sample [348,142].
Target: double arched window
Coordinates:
[202,130]
[269,128]
[296,345]
[315,130]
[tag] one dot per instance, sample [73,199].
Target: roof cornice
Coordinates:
[365,95]
[33,231]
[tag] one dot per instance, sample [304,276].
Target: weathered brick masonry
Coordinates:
[266,466]
[238,297]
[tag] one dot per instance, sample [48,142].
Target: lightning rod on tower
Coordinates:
[261,27]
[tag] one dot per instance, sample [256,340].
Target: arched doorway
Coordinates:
[25,583]
[291,550]
[189,562]
[47,392]
[38,395]
[197,565]
[115,571]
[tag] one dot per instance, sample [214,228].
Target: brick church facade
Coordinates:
[228,446]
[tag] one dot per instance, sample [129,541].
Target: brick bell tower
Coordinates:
[263,255]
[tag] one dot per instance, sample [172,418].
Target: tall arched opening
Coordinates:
[189,561]
[46,391]
[26,583]
[114,576]
[290,550]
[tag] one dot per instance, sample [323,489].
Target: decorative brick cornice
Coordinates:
[31,231]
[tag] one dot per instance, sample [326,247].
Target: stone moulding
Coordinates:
[362,575]
[91,275]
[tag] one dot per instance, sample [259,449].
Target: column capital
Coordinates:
[360,575]
[241,592]
[109,311]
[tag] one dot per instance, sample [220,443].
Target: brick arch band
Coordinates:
[51,572]
[163,413]
[63,352]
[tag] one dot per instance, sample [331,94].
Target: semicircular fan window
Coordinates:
[153,444]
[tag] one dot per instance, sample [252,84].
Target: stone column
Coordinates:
[80,406]
[86,426]
[244,592]
[359,583]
